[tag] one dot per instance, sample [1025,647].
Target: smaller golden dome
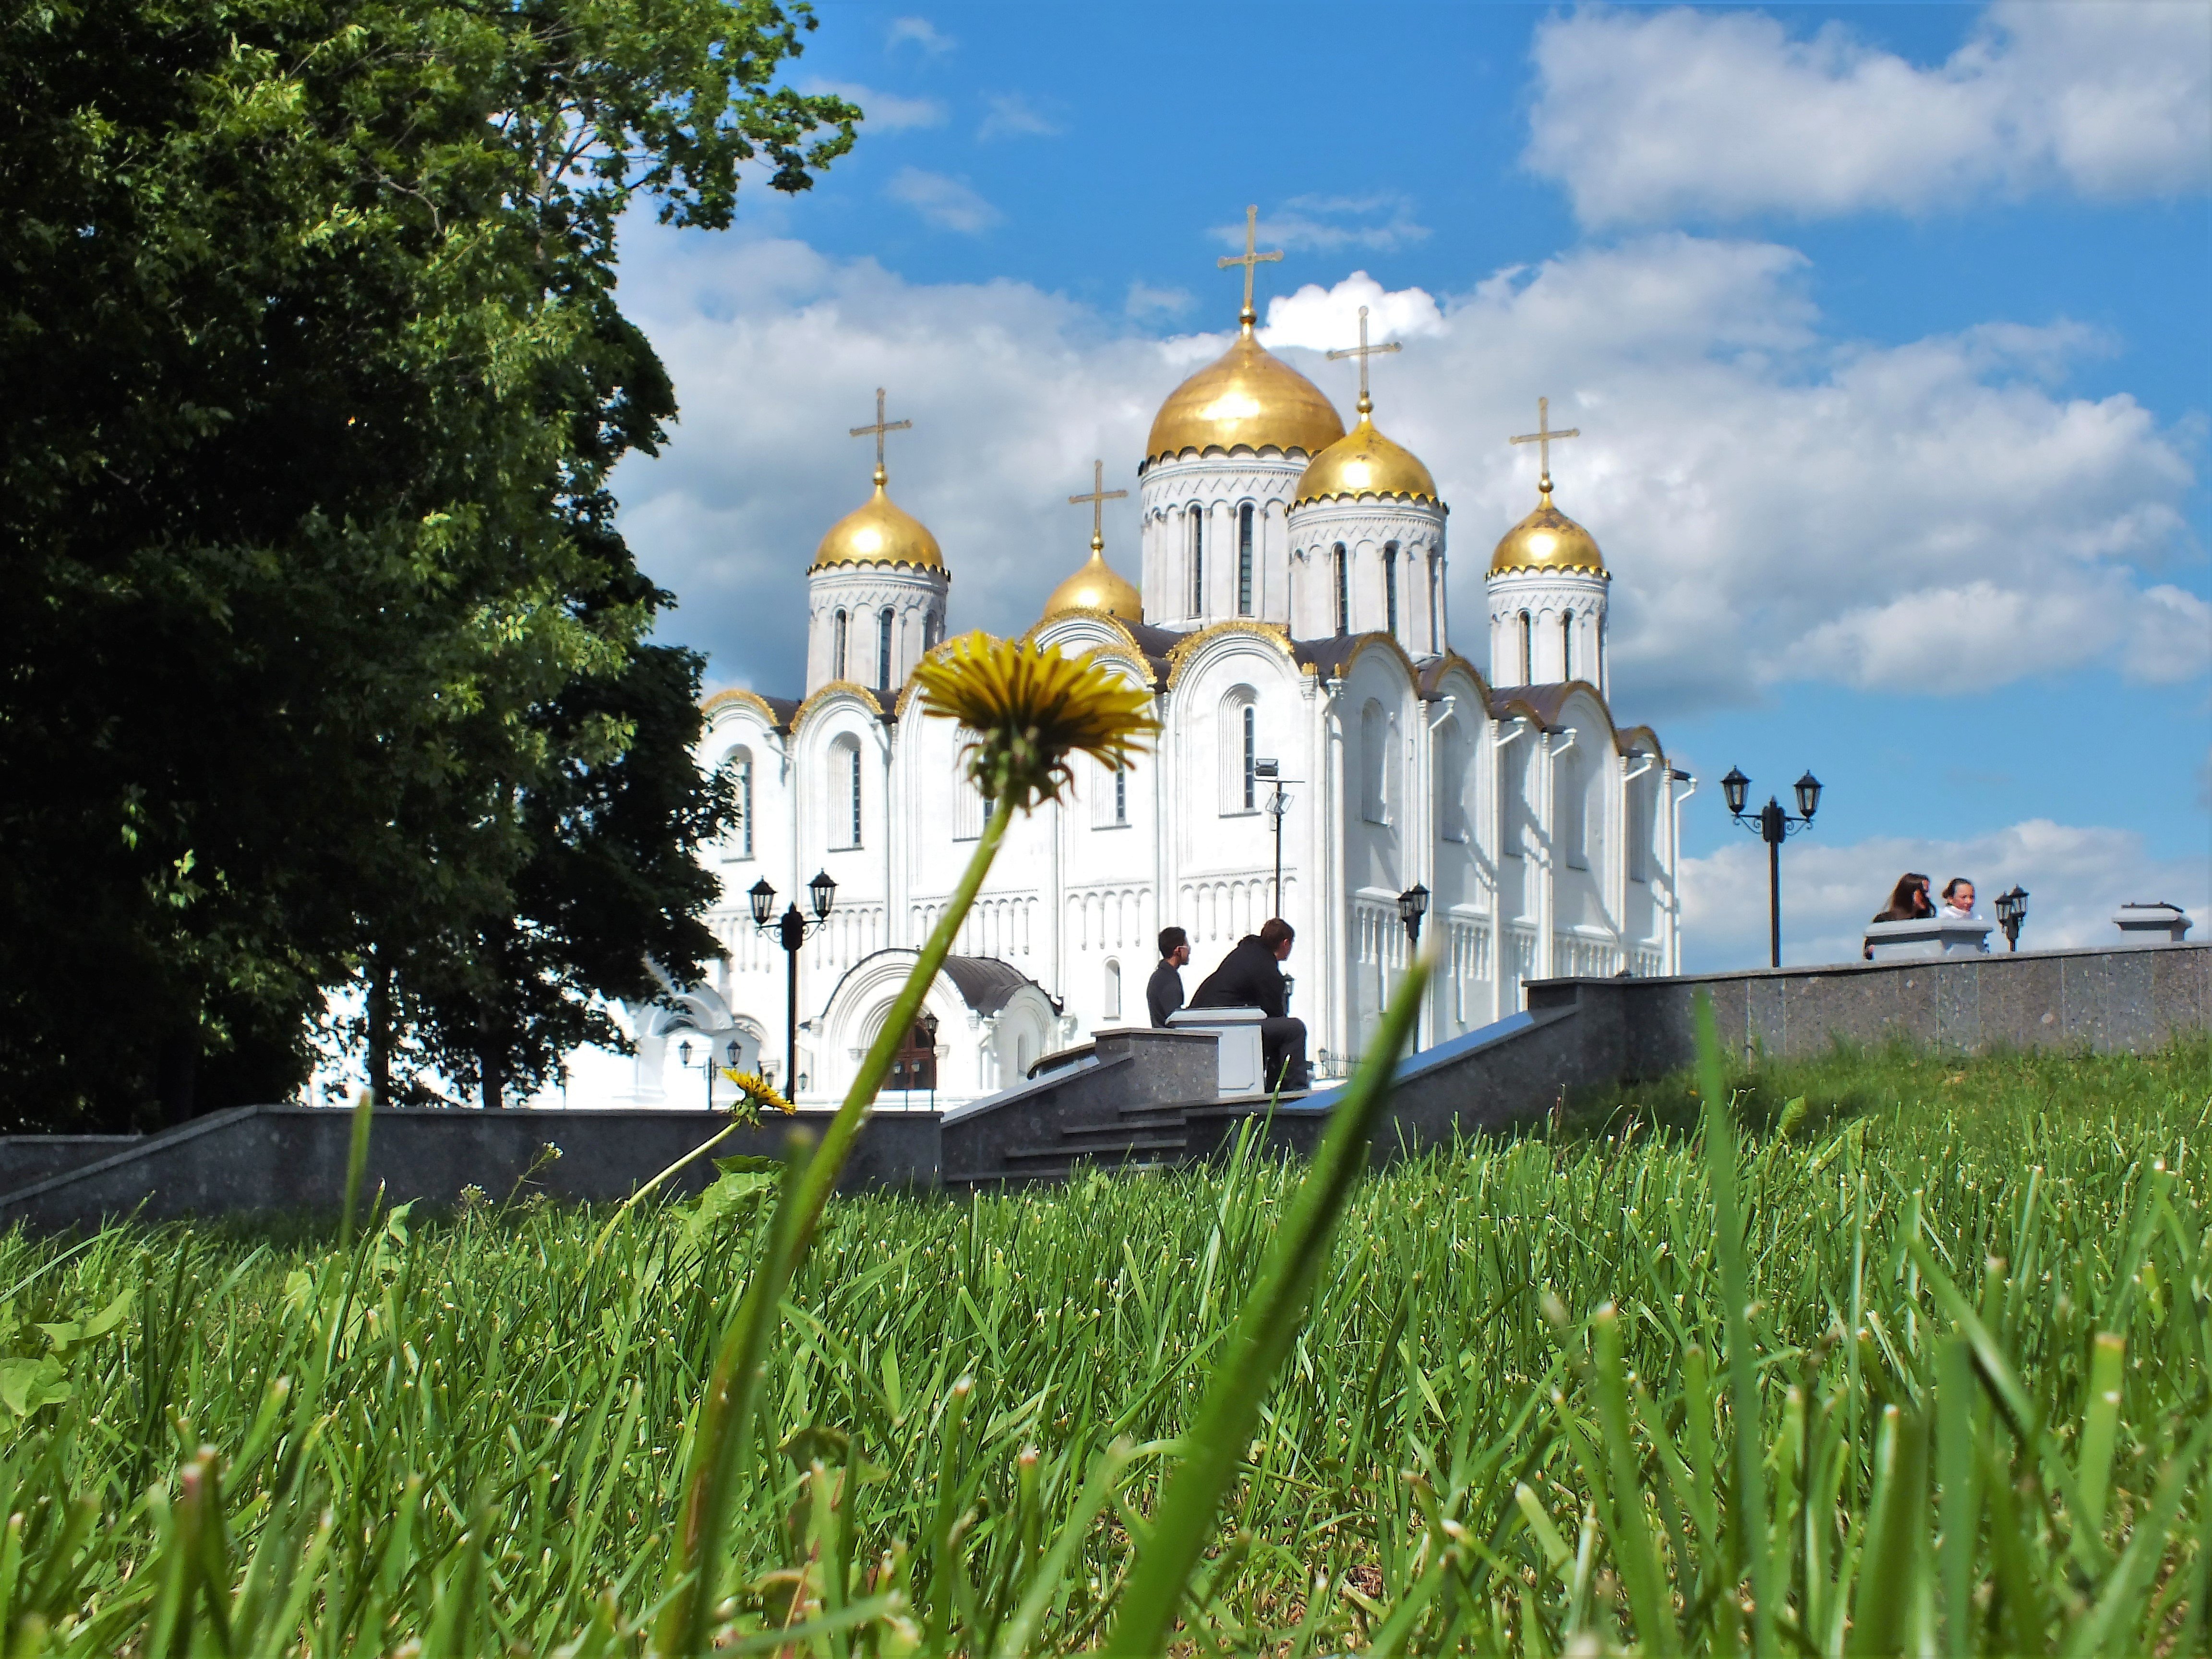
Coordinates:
[879,532]
[1548,539]
[1097,586]
[1363,462]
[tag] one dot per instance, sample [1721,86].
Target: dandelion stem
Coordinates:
[725,1412]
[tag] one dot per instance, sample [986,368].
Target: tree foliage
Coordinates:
[325,663]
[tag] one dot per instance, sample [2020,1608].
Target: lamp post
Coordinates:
[2011,910]
[707,1062]
[791,929]
[928,1023]
[1773,826]
[1412,905]
[1271,772]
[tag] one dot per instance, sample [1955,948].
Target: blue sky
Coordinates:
[1887,327]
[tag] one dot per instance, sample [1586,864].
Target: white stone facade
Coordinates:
[1546,834]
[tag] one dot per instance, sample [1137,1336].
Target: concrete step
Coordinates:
[1122,1149]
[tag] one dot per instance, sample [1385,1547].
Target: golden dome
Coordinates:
[879,532]
[1097,586]
[1548,539]
[1246,396]
[1364,463]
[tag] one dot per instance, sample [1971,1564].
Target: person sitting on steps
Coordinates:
[1164,994]
[1251,976]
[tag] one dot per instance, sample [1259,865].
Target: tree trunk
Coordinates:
[379,1033]
[176,1070]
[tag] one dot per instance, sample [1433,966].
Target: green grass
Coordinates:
[1980,1304]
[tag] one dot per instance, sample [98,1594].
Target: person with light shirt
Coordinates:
[1958,900]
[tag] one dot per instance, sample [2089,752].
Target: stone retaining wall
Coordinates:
[1575,1034]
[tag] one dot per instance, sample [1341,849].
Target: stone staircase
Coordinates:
[1123,1103]
[1135,1137]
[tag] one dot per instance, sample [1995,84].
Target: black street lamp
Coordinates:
[928,1023]
[1412,905]
[1773,826]
[791,929]
[2011,910]
[707,1062]
[1271,772]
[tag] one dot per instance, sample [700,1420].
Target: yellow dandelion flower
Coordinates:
[1032,709]
[755,1093]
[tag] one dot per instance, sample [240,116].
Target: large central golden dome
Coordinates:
[879,532]
[1363,462]
[1548,539]
[1248,396]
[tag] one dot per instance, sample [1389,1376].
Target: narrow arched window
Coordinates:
[843,636]
[1121,794]
[1244,560]
[1197,561]
[1574,811]
[1527,650]
[1451,783]
[1390,586]
[1374,764]
[1112,1000]
[1435,604]
[1343,591]
[884,626]
[741,789]
[1251,756]
[845,793]
[1567,646]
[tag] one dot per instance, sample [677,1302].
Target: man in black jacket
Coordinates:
[1251,976]
[1163,995]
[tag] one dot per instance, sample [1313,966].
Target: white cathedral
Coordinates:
[1291,626]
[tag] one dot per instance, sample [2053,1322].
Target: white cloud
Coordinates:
[1379,223]
[1324,318]
[1013,115]
[945,203]
[917,32]
[1651,117]
[2076,877]
[2170,636]
[885,112]
[1145,301]
[1775,505]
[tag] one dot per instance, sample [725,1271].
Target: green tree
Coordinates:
[324,662]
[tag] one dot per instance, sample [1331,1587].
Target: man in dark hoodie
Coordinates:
[1251,976]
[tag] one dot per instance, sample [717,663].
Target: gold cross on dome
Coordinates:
[1542,438]
[1249,259]
[879,427]
[1363,351]
[1099,497]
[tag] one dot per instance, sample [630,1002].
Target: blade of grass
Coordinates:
[2100,1421]
[1747,1503]
[1960,1515]
[1266,1329]
[356,1165]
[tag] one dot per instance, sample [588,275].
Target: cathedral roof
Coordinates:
[1097,586]
[1548,539]
[1246,397]
[1364,463]
[879,532]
